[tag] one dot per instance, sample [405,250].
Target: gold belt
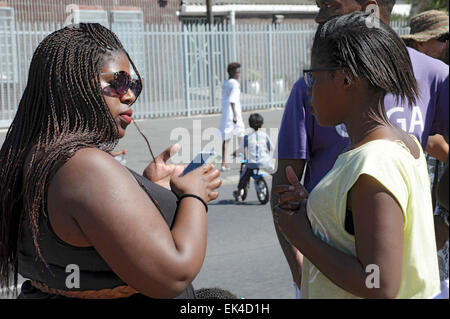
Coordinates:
[114,293]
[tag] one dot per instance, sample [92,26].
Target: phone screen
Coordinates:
[198,161]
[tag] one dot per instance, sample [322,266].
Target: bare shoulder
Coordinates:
[89,156]
[90,173]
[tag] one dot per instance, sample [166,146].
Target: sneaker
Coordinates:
[237,198]
[225,168]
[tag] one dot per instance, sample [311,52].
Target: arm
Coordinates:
[440,118]
[293,256]
[233,108]
[292,150]
[437,147]
[241,148]
[122,223]
[378,222]
[234,98]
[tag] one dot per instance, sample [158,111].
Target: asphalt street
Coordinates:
[243,254]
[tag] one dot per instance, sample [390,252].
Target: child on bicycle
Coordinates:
[256,147]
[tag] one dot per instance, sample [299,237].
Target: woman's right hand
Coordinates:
[291,196]
[202,182]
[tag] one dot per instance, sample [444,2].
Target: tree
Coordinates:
[424,5]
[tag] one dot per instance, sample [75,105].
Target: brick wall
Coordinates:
[155,11]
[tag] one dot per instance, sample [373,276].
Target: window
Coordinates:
[87,14]
[200,20]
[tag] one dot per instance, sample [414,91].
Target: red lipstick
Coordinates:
[126,116]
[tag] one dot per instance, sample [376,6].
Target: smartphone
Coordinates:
[198,161]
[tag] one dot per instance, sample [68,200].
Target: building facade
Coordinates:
[166,11]
[59,11]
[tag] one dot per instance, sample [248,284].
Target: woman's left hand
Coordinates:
[160,172]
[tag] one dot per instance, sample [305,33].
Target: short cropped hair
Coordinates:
[232,67]
[255,121]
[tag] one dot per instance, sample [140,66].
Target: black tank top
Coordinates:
[95,274]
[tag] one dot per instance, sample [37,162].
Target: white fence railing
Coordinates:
[182,66]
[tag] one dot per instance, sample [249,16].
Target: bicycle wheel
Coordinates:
[244,193]
[262,191]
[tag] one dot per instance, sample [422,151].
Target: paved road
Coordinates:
[243,254]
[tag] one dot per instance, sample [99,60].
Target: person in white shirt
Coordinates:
[231,123]
[256,147]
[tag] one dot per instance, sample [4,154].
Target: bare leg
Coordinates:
[224,147]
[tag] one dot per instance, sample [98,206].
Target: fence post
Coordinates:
[212,86]
[186,70]
[269,64]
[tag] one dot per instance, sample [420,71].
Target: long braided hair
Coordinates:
[61,111]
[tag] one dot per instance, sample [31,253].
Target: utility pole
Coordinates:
[209,12]
[211,62]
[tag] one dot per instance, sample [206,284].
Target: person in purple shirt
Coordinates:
[312,150]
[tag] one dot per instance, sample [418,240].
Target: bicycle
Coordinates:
[262,190]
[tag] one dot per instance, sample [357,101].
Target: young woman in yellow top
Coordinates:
[366,230]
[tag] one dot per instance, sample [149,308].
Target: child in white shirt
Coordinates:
[256,147]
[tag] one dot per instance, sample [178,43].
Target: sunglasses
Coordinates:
[309,78]
[443,38]
[121,83]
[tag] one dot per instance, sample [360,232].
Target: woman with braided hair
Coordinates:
[73,220]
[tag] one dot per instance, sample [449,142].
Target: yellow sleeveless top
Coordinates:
[406,178]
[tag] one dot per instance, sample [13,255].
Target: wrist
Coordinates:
[303,204]
[307,233]
[183,196]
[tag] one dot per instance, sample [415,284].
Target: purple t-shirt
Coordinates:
[301,137]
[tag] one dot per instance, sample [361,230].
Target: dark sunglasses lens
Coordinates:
[121,83]
[136,87]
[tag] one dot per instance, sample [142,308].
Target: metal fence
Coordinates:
[182,66]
